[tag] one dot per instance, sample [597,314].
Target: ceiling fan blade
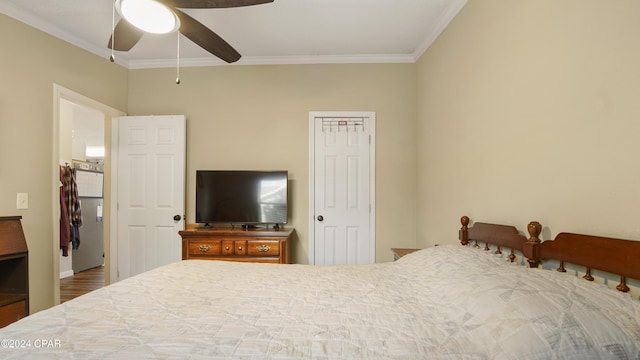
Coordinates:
[205,38]
[126,35]
[210,4]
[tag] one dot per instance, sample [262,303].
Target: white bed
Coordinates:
[446,302]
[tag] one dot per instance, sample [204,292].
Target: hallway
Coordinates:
[81,283]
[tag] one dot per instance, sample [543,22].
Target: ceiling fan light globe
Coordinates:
[148,15]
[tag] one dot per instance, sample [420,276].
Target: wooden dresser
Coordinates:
[236,244]
[14,271]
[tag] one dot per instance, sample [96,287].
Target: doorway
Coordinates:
[67,102]
[81,149]
[342,188]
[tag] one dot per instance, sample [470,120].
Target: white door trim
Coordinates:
[62,93]
[371,115]
[113,213]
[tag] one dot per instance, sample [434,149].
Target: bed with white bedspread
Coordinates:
[446,302]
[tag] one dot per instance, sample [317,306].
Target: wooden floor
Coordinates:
[81,283]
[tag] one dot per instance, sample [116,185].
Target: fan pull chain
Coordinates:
[178,61]
[112,58]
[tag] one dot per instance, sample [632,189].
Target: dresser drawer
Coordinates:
[12,312]
[263,248]
[233,247]
[204,248]
[240,247]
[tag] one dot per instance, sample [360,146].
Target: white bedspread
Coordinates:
[446,302]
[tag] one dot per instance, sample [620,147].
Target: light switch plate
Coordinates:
[22,201]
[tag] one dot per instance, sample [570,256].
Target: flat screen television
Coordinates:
[241,197]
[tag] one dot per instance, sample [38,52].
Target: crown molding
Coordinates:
[52,30]
[273,60]
[444,19]
[121,59]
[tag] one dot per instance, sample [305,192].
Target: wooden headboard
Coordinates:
[615,256]
[495,234]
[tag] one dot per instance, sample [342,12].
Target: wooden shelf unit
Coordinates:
[236,244]
[14,271]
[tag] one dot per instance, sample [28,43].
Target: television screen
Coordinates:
[241,197]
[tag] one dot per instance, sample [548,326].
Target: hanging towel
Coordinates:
[71,196]
[74,231]
[64,218]
[73,206]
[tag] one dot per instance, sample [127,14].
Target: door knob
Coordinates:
[320,218]
[177,217]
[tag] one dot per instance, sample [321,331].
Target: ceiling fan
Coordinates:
[125,35]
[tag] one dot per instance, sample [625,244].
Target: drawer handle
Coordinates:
[204,248]
[226,248]
[263,248]
[239,248]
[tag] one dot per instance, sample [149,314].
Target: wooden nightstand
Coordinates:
[398,253]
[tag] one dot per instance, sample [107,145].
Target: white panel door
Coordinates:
[150,192]
[342,223]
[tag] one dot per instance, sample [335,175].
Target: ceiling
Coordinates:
[282,32]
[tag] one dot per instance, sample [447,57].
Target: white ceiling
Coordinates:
[282,32]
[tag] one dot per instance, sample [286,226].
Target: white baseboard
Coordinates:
[65,274]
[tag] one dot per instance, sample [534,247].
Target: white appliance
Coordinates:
[90,253]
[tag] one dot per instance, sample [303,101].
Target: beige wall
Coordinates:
[30,64]
[256,117]
[528,110]
[238,117]
[523,111]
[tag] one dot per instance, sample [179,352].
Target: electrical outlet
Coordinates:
[22,201]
